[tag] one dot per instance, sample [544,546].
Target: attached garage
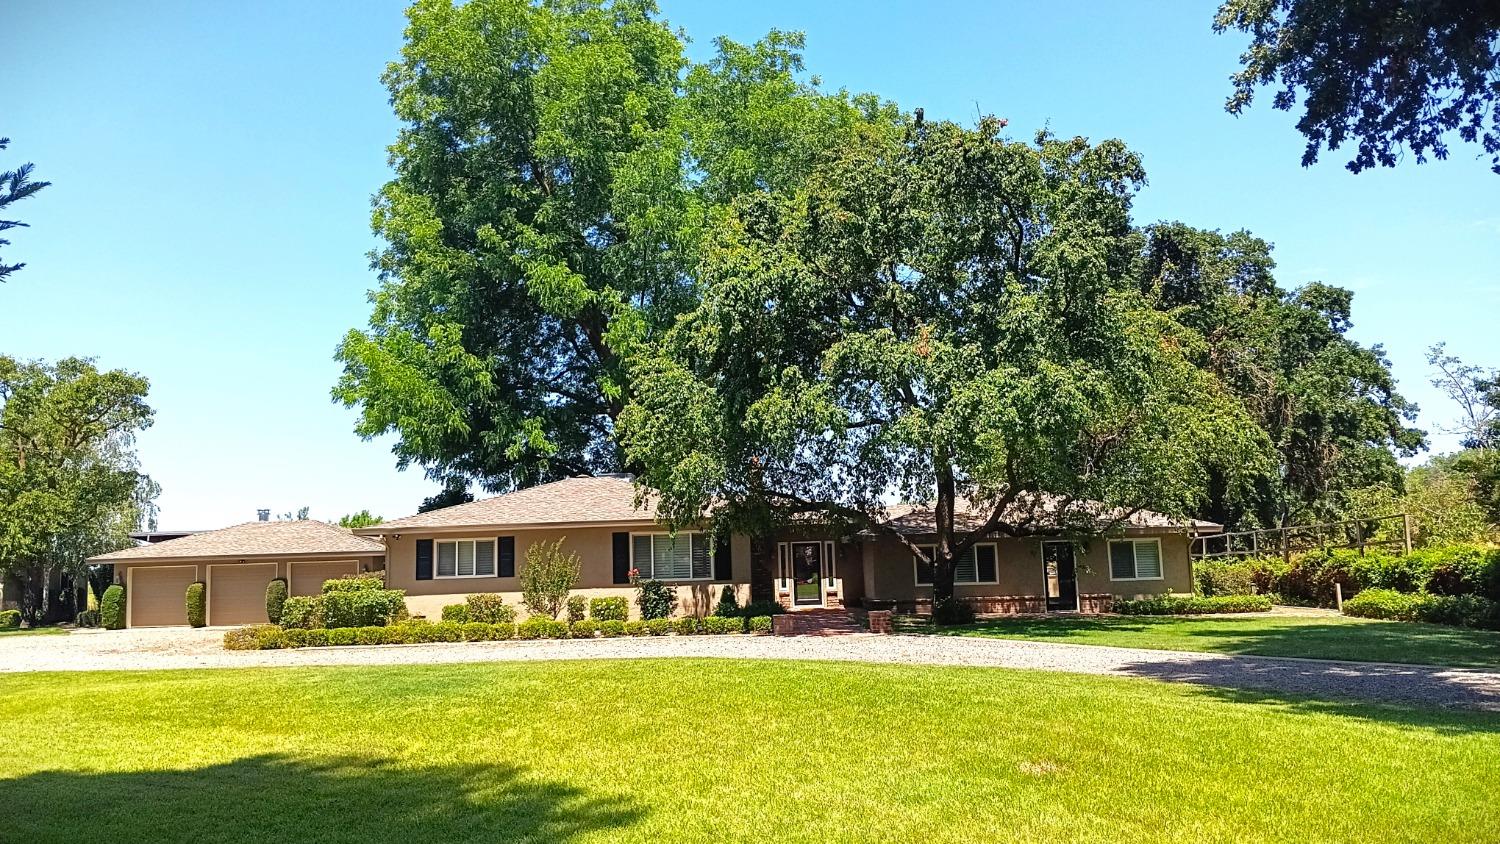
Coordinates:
[237,592]
[236,564]
[156,596]
[308,575]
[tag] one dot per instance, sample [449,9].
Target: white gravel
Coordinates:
[168,648]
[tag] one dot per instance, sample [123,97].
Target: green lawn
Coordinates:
[1319,637]
[677,750]
[30,631]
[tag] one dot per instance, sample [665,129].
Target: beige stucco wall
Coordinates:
[594,547]
[889,574]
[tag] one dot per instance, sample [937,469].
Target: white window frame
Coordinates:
[437,545]
[692,536]
[916,568]
[1110,559]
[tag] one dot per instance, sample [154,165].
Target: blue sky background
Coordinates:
[212,167]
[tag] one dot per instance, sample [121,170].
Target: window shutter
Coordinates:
[507,546]
[424,559]
[987,570]
[723,566]
[964,568]
[622,558]
[1122,560]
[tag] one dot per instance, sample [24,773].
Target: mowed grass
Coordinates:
[679,750]
[30,631]
[1314,637]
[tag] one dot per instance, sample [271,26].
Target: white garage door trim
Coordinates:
[240,566]
[130,589]
[291,572]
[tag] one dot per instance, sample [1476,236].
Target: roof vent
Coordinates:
[263,515]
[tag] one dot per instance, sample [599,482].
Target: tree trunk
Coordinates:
[942,557]
[942,578]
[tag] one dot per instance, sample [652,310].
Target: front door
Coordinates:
[1062,576]
[807,573]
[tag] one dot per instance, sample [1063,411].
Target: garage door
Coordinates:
[158,595]
[307,578]
[237,593]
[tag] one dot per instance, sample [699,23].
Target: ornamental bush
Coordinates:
[370,635]
[489,608]
[547,577]
[583,629]
[951,611]
[343,635]
[1193,605]
[538,627]
[456,612]
[10,619]
[1456,610]
[685,626]
[355,583]
[361,607]
[635,628]
[302,612]
[275,599]
[87,618]
[609,609]
[723,624]
[112,607]
[611,628]
[760,624]
[1215,577]
[197,609]
[658,626]
[757,608]
[729,603]
[656,599]
[577,608]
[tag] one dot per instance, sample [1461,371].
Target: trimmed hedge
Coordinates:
[456,612]
[577,608]
[611,628]
[489,609]
[760,624]
[609,609]
[354,583]
[1455,610]
[276,595]
[344,608]
[112,607]
[10,619]
[197,604]
[1193,605]
[302,612]
[1309,578]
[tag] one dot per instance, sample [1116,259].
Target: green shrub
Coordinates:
[10,619]
[490,608]
[656,599]
[1457,610]
[344,635]
[254,638]
[302,612]
[538,627]
[112,607]
[275,599]
[1224,577]
[577,608]
[659,626]
[269,637]
[319,637]
[197,604]
[729,603]
[240,639]
[760,624]
[547,577]
[362,607]
[87,618]
[583,629]
[686,626]
[723,624]
[478,631]
[609,609]
[370,635]
[354,583]
[445,631]
[611,628]
[456,612]
[758,608]
[635,628]
[951,611]
[1193,605]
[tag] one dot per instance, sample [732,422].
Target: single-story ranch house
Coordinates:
[441,556]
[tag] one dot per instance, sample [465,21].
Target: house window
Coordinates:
[663,556]
[466,558]
[1135,559]
[976,565]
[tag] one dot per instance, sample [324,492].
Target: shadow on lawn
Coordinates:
[280,799]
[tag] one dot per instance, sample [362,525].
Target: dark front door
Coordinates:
[807,573]
[1062,576]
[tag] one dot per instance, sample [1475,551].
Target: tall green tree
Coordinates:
[1333,417]
[1384,75]
[947,318]
[70,484]
[15,185]
[364,518]
[556,164]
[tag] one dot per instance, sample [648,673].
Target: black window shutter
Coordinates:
[723,568]
[507,554]
[424,559]
[986,557]
[622,558]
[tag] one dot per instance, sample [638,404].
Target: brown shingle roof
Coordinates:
[606,498]
[253,539]
[918,519]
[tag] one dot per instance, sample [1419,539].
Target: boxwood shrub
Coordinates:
[760,624]
[636,628]
[723,624]
[658,626]
[10,619]
[302,612]
[609,609]
[197,610]
[112,607]
[489,609]
[1456,610]
[275,598]
[611,628]
[685,626]
[456,612]
[1193,605]
[583,628]
[538,627]
[354,583]
[577,608]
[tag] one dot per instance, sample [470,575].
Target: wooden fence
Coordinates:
[1391,532]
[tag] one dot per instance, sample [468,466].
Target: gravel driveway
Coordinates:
[1377,682]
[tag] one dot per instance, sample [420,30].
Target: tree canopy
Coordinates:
[364,518]
[556,164]
[70,486]
[1385,75]
[15,185]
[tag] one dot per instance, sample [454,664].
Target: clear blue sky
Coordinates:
[212,166]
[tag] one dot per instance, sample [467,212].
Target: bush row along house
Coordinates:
[441,556]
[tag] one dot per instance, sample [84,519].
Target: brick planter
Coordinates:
[783,625]
[880,621]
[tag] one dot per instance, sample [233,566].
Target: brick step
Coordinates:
[818,623]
